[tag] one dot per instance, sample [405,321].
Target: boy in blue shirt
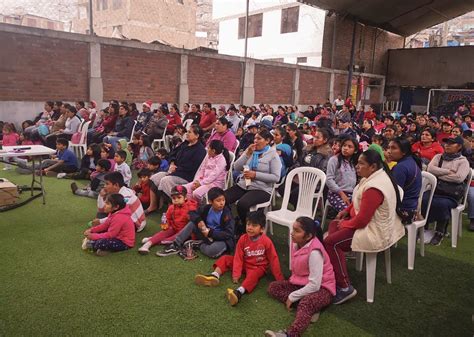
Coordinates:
[64,161]
[212,226]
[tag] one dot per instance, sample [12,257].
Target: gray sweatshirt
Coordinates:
[268,171]
[340,179]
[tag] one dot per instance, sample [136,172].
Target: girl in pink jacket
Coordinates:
[117,233]
[211,173]
[312,283]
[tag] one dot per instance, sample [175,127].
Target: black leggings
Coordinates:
[246,199]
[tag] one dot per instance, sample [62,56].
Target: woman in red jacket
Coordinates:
[117,233]
[427,147]
[173,118]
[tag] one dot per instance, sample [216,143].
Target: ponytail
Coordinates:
[219,147]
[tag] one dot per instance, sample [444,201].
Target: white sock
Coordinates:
[241,290]
[216,274]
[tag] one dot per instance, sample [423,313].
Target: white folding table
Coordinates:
[35,152]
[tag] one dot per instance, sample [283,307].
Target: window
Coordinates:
[302,60]
[289,20]
[102,5]
[31,22]
[50,25]
[181,2]
[255,26]
[117,4]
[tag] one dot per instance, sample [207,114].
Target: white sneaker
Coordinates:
[61,175]
[145,240]
[144,250]
[142,227]
[7,168]
[85,243]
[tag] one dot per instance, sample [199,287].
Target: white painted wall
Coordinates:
[308,41]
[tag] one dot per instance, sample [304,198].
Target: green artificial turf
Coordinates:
[49,286]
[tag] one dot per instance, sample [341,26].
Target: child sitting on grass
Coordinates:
[253,255]
[163,155]
[212,225]
[154,164]
[144,153]
[312,284]
[116,233]
[122,167]
[63,161]
[109,154]
[97,181]
[143,186]
[114,184]
[88,163]
[122,144]
[177,217]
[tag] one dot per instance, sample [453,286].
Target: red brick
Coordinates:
[314,87]
[273,84]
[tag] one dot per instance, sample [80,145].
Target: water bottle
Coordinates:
[164,223]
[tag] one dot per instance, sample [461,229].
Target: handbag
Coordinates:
[449,189]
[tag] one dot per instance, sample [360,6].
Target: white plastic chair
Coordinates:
[229,180]
[187,124]
[237,144]
[311,186]
[428,184]
[371,267]
[456,215]
[325,213]
[133,132]
[160,142]
[80,148]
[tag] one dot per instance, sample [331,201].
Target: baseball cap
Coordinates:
[454,140]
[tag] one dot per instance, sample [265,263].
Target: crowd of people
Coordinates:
[372,160]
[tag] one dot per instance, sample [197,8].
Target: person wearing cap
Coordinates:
[345,127]
[446,128]
[450,168]
[223,133]
[144,116]
[249,136]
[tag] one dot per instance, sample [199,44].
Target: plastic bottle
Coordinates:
[164,223]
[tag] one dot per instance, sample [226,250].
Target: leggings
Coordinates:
[337,243]
[111,245]
[307,306]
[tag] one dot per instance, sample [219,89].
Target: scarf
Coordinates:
[450,156]
[255,155]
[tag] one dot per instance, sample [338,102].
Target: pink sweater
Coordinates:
[228,138]
[11,139]
[300,266]
[212,171]
[118,225]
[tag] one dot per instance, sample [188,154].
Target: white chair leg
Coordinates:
[422,241]
[454,230]
[325,214]
[388,266]
[460,226]
[411,230]
[371,267]
[359,261]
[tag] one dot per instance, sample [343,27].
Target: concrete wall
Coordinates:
[38,65]
[431,67]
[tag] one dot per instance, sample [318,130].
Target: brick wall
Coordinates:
[313,86]
[137,75]
[36,68]
[364,45]
[214,80]
[273,84]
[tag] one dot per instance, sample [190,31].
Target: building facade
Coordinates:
[278,30]
[171,22]
[31,20]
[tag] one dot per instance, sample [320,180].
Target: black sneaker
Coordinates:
[344,295]
[74,188]
[233,296]
[195,244]
[437,239]
[169,250]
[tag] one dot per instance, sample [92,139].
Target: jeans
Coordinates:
[212,249]
[470,202]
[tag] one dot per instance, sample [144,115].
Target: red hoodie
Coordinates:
[256,254]
[118,225]
[178,216]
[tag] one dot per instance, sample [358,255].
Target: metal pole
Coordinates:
[245,50]
[91,21]
[351,64]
